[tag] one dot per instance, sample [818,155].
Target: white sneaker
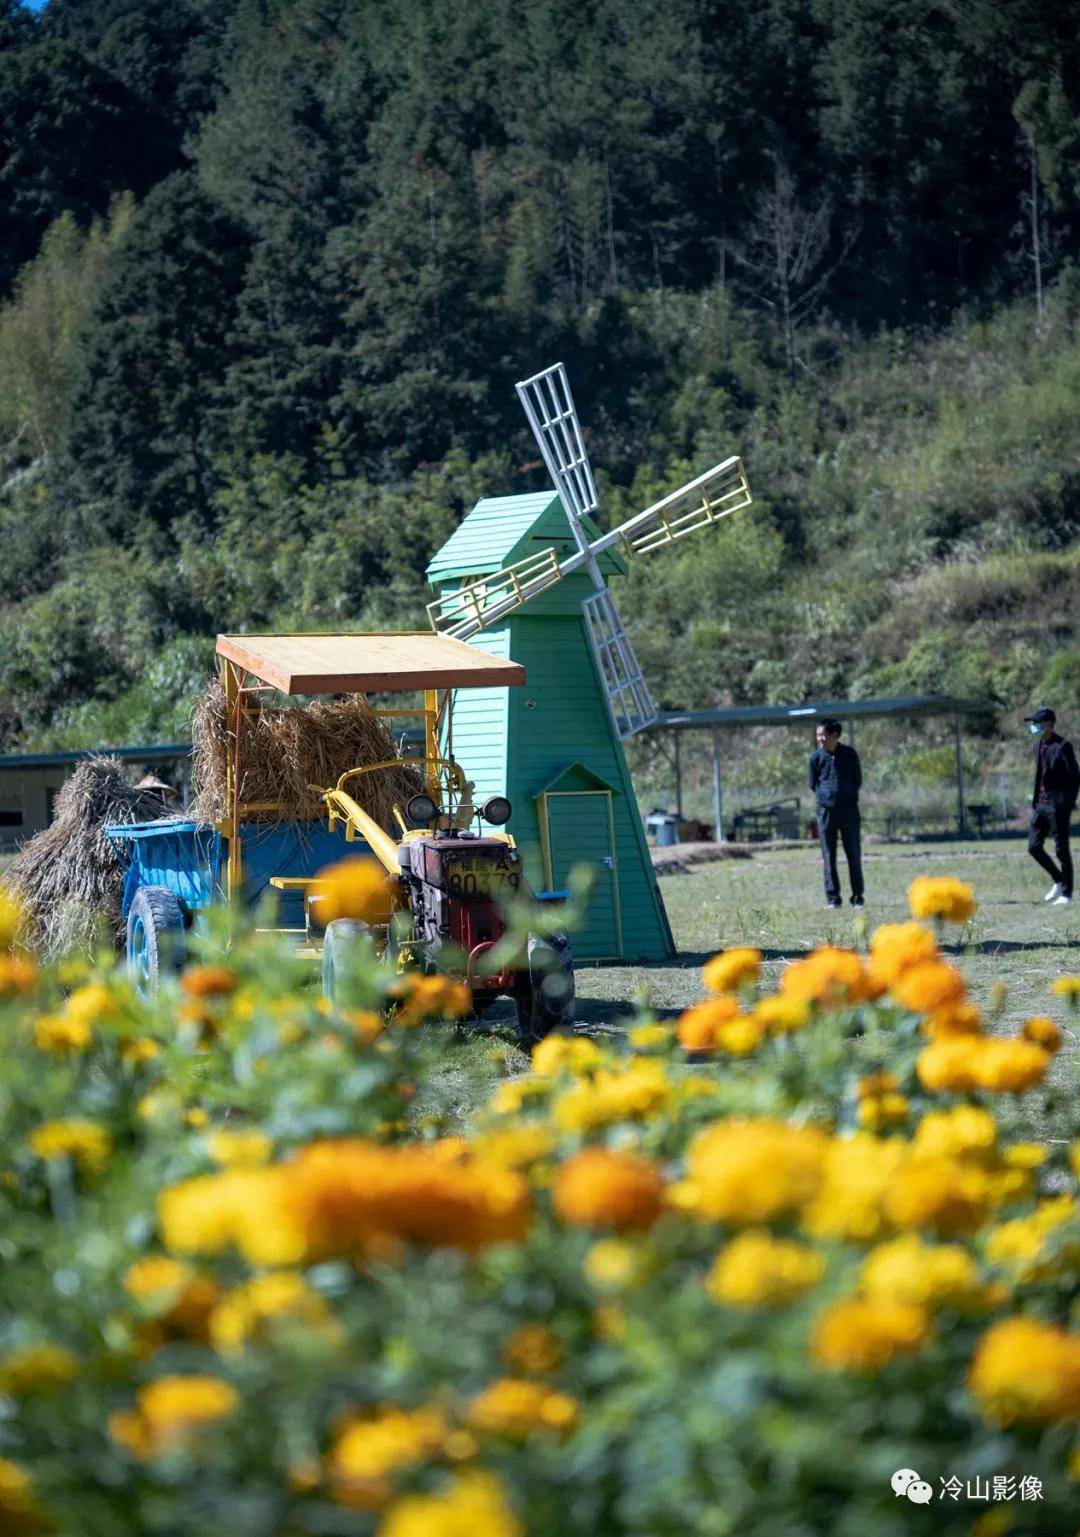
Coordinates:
[1055,891]
[1062,901]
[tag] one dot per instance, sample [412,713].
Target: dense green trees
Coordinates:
[269,269]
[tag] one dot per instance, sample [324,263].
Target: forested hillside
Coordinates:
[270,268]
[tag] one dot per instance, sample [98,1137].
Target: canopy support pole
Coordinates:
[678,777]
[960,807]
[717,789]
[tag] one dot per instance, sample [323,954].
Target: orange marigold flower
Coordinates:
[1027,1370]
[942,897]
[18,974]
[752,1170]
[516,1407]
[698,1026]
[732,970]
[432,997]
[602,1188]
[941,1195]
[956,1019]
[56,1032]
[896,947]
[780,1016]
[208,981]
[353,888]
[1009,1067]
[169,1412]
[831,977]
[929,986]
[864,1336]
[947,1066]
[533,1348]
[371,1447]
[1041,1031]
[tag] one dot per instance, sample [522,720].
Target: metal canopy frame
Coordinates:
[848,710]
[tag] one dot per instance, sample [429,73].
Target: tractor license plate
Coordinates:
[467,877]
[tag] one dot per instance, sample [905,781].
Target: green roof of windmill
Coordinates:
[503,529]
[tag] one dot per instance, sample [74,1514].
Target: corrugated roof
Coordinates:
[156,753]
[795,714]
[503,529]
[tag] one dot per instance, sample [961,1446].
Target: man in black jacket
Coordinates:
[835,777]
[1057,784]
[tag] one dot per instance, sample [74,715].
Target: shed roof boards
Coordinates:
[386,662]
[503,529]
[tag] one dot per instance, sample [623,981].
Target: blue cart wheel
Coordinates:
[156,940]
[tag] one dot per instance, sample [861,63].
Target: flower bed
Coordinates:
[728,1274]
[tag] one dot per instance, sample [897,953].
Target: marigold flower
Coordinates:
[929,987]
[864,1336]
[241,1208]
[509,1097]
[1010,1067]
[91,1003]
[141,1049]
[36,1369]
[239,1149]
[353,888]
[16,1495]
[13,919]
[432,997]
[882,1112]
[732,970]
[169,1412]
[517,1407]
[966,1131]
[780,1015]
[371,1447]
[474,1503]
[1066,987]
[565,1054]
[367,1024]
[174,1294]
[634,1092]
[56,1032]
[84,1142]
[532,1348]
[1026,1370]
[208,981]
[1025,1245]
[698,1026]
[931,1275]
[942,1195]
[603,1188]
[756,1270]
[942,897]
[831,978]
[857,1172]
[18,974]
[614,1264]
[754,1170]
[947,1066]
[957,1019]
[1043,1032]
[896,947]
[651,1037]
[245,1312]
[514,1147]
[873,1085]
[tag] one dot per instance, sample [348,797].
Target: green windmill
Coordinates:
[528,576]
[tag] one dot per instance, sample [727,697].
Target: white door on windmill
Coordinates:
[720,491]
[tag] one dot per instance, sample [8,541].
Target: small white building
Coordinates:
[29,782]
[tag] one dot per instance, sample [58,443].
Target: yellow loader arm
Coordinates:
[341,807]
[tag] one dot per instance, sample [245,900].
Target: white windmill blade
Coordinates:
[701,502]
[550,409]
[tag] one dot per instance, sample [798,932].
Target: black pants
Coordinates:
[1044,821]
[842,822]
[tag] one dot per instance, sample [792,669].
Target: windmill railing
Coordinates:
[472,608]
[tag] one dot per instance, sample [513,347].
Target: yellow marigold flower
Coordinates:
[56,1032]
[1043,1032]
[651,1037]
[755,1170]
[510,1096]
[91,1004]
[947,1066]
[18,974]
[565,1054]
[431,997]
[353,888]
[603,1188]
[613,1264]
[882,1112]
[155,1276]
[141,1049]
[780,1015]
[243,1313]
[241,1208]
[958,1019]
[634,1092]
[929,987]
[942,897]
[1024,1244]
[169,1412]
[942,1195]
[532,1348]
[756,1270]
[1009,1067]
[36,1369]
[930,1275]
[84,1142]
[896,947]
[367,1025]
[732,970]
[371,1447]
[473,1504]
[1066,987]
[1024,1155]
[16,1496]
[874,1085]
[343,1194]
[173,1294]
[515,1147]
[857,1173]
[208,981]
[1026,1370]
[864,1336]
[831,978]
[239,1149]
[197,1118]
[967,1131]
[697,1026]
[517,1407]
[13,919]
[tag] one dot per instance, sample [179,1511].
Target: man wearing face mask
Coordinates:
[1057,785]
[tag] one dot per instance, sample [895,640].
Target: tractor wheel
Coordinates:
[340,943]
[544,994]
[156,940]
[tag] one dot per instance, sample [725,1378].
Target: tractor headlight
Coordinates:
[496,810]
[421,810]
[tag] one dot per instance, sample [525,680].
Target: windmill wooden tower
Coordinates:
[528,575]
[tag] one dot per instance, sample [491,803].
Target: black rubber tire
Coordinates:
[156,936]
[338,942]
[532,1022]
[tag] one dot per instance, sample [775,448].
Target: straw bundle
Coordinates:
[285,751]
[68,876]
